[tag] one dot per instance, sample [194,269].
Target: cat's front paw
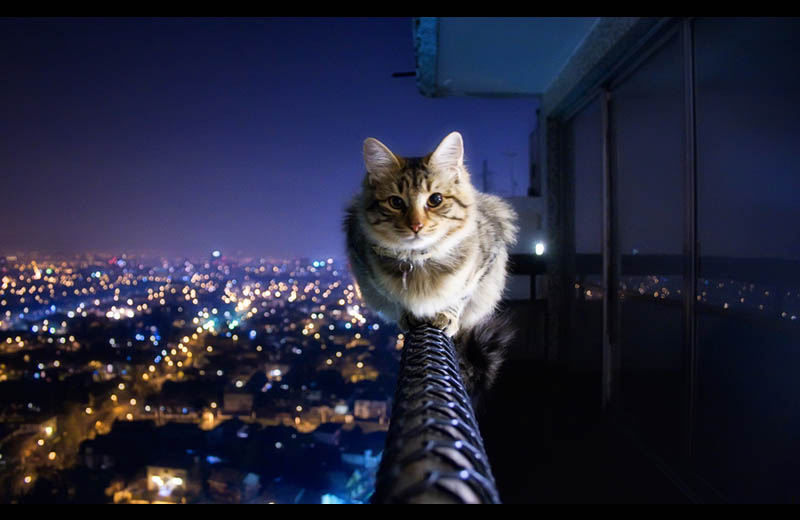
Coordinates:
[447,323]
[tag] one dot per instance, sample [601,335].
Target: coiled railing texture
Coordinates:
[434,451]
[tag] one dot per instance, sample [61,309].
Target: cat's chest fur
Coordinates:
[429,285]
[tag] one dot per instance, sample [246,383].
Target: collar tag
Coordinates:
[405,268]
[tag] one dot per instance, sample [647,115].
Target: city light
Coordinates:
[141,357]
[165,489]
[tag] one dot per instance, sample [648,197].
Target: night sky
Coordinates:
[180,136]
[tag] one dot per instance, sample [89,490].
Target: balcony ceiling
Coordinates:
[482,56]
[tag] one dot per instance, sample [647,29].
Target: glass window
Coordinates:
[584,163]
[748,323]
[647,117]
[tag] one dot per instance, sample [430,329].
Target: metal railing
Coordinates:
[434,451]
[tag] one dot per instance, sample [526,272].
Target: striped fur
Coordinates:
[455,264]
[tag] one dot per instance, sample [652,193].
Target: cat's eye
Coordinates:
[434,200]
[396,203]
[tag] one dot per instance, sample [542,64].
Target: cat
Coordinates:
[425,246]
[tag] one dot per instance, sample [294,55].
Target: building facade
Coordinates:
[667,151]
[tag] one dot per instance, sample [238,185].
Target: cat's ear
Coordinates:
[449,155]
[378,159]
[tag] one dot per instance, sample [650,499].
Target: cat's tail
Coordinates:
[481,351]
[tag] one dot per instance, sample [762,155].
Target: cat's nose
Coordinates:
[415,226]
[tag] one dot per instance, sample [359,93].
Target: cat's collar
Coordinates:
[406,259]
[414,255]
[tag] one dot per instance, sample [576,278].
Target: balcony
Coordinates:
[656,365]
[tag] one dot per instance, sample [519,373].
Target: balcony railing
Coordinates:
[434,451]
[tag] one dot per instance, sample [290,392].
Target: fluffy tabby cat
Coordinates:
[425,246]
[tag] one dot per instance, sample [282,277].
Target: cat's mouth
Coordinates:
[417,240]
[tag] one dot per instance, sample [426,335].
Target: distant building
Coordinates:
[371,409]
[237,404]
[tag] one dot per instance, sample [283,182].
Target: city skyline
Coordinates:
[190,383]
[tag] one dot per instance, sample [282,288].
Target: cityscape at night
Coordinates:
[133,380]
